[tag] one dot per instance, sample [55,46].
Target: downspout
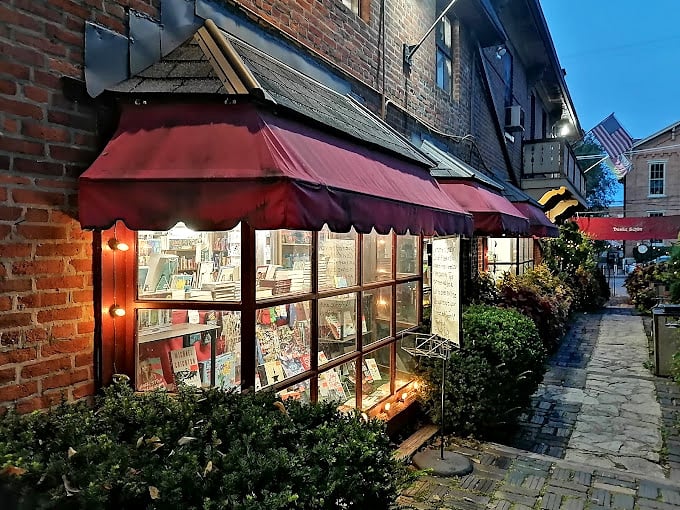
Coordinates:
[497,125]
[383,101]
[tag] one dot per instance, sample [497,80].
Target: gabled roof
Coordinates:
[675,125]
[449,166]
[215,63]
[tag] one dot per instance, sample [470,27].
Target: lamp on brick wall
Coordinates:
[410,49]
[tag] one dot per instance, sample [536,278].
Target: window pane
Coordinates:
[443,71]
[407,308]
[407,255]
[337,326]
[282,342]
[175,348]
[376,377]
[377,257]
[298,391]
[338,384]
[183,264]
[406,362]
[377,310]
[283,262]
[337,259]
[443,37]
[352,5]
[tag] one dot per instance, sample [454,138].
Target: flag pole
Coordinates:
[595,164]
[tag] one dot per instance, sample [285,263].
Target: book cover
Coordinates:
[273,371]
[292,366]
[334,325]
[185,366]
[225,370]
[150,376]
[373,370]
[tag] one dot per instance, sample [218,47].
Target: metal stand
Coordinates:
[451,464]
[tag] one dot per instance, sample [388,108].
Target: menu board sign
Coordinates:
[445,287]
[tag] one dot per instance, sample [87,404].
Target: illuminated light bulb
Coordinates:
[115,244]
[404,396]
[117,311]
[364,417]
[387,407]
[416,385]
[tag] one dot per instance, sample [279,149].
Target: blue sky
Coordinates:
[621,56]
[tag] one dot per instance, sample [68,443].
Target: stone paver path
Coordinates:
[619,423]
[592,438]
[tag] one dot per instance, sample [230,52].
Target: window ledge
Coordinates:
[657,196]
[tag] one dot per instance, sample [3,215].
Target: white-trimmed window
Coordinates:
[444,55]
[657,178]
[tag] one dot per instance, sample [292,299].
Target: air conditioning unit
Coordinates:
[514,118]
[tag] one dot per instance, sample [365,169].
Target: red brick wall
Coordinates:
[46,311]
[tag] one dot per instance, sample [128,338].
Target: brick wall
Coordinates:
[46,310]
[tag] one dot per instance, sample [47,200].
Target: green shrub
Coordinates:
[542,297]
[590,289]
[640,285]
[490,379]
[207,450]
[483,290]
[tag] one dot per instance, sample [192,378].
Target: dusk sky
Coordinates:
[621,56]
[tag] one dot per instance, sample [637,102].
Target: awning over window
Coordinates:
[214,165]
[493,214]
[630,229]
[539,224]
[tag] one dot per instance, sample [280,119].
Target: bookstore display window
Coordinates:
[191,347]
[338,384]
[406,363]
[338,326]
[375,384]
[337,259]
[183,264]
[282,342]
[377,311]
[311,340]
[377,257]
[283,259]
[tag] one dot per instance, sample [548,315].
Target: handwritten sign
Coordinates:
[341,255]
[445,286]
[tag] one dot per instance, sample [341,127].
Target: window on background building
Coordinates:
[444,55]
[509,255]
[657,177]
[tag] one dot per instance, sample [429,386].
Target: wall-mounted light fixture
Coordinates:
[410,49]
[116,311]
[563,127]
[115,244]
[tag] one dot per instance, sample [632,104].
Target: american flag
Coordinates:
[615,140]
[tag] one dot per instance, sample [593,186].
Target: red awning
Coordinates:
[630,229]
[539,224]
[214,165]
[493,214]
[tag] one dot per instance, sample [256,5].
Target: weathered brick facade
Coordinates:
[47,324]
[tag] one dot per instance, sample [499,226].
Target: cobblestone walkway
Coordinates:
[602,432]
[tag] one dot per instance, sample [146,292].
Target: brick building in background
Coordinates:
[485,86]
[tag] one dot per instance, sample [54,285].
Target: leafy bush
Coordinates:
[490,379]
[542,297]
[483,290]
[207,450]
[640,284]
[590,289]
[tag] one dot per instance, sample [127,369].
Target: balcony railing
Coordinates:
[552,160]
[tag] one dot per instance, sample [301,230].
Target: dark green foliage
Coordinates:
[573,257]
[641,285]
[490,379]
[199,450]
[483,290]
[542,297]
